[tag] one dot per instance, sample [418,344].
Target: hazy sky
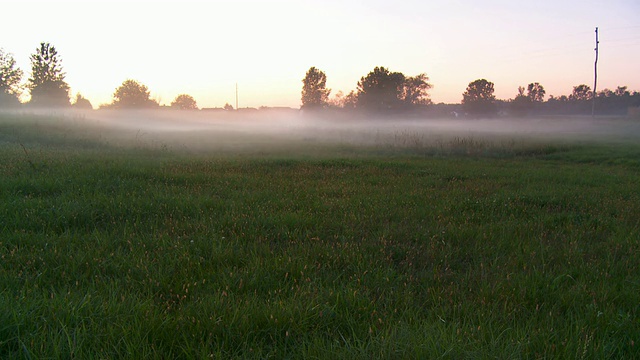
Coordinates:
[203,48]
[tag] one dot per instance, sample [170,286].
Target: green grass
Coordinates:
[461,248]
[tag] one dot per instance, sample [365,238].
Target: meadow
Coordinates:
[333,242]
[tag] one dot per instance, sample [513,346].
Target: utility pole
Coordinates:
[236,96]
[595,77]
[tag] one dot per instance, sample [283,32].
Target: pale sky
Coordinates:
[203,48]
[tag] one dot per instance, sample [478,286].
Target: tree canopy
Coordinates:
[415,90]
[47,84]
[314,89]
[380,90]
[342,101]
[133,95]
[82,103]
[524,104]
[384,90]
[581,93]
[184,102]
[478,99]
[521,104]
[10,77]
[535,92]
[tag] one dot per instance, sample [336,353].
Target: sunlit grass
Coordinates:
[467,248]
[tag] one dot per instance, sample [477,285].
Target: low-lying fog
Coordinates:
[201,130]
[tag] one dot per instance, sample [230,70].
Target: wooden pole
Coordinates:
[236,96]
[595,77]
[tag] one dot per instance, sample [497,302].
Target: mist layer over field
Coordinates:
[262,131]
[283,235]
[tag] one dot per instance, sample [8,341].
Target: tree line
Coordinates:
[380,91]
[48,88]
[383,90]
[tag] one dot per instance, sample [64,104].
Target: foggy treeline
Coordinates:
[381,91]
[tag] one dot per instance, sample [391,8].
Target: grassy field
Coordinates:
[134,245]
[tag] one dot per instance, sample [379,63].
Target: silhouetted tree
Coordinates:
[415,90]
[615,102]
[337,101]
[46,84]
[621,91]
[606,93]
[132,94]
[350,101]
[581,93]
[478,99]
[184,102]
[535,92]
[342,101]
[10,77]
[521,104]
[314,89]
[228,107]
[82,103]
[381,90]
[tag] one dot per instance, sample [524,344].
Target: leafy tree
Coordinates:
[560,99]
[415,90]
[535,92]
[622,91]
[228,107]
[478,99]
[133,95]
[606,93]
[314,89]
[615,102]
[581,93]
[82,103]
[350,101]
[337,101]
[10,77]
[184,102]
[521,104]
[46,84]
[381,90]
